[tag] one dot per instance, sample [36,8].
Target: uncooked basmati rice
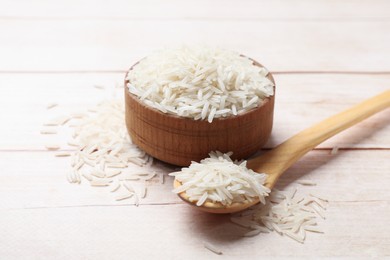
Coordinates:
[320,198]
[100,182]
[52,146]
[143,191]
[334,150]
[51,105]
[253,233]
[199,82]
[283,213]
[115,186]
[62,154]
[48,131]
[78,115]
[306,183]
[87,176]
[161,178]
[219,179]
[313,229]
[103,148]
[124,196]
[212,248]
[61,120]
[110,174]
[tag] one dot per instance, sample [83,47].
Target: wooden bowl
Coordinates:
[179,140]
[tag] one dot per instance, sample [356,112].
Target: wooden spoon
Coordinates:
[277,161]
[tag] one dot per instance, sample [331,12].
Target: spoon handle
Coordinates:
[284,155]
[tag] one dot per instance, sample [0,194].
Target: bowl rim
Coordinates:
[215,120]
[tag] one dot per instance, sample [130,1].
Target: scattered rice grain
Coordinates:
[313,229]
[334,150]
[116,186]
[252,233]
[129,187]
[306,183]
[100,182]
[52,147]
[293,236]
[51,105]
[212,248]
[48,131]
[114,173]
[87,176]
[315,196]
[124,196]
[62,154]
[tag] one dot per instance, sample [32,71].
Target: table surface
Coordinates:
[325,56]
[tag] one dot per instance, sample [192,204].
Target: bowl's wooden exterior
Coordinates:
[178,140]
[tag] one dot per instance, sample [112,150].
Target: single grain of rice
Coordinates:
[212,248]
[306,183]
[51,105]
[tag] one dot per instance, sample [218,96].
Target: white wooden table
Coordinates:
[325,56]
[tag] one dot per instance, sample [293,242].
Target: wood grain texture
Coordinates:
[147,233]
[56,51]
[40,181]
[197,9]
[90,45]
[45,214]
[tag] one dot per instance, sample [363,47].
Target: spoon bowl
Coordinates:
[275,162]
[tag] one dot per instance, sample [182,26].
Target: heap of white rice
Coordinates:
[199,82]
[104,151]
[104,145]
[219,179]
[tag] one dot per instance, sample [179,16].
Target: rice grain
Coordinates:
[51,105]
[306,183]
[48,131]
[52,147]
[212,248]
[62,154]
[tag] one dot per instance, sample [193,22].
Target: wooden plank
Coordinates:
[32,180]
[47,217]
[116,45]
[40,181]
[301,101]
[202,9]
[176,232]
